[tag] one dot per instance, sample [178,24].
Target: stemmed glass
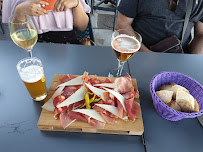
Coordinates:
[23,32]
[125,43]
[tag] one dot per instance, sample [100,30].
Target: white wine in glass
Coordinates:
[125,43]
[23,32]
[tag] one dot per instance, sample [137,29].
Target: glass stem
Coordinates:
[30,53]
[120,68]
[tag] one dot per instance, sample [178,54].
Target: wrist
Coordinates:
[77,3]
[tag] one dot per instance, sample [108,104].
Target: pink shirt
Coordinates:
[53,21]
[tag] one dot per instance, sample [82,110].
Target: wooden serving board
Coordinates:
[48,123]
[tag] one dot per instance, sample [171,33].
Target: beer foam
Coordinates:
[31,73]
[125,44]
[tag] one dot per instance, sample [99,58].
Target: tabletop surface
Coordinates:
[19,114]
[162,135]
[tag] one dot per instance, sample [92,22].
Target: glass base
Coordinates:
[114,73]
[40,98]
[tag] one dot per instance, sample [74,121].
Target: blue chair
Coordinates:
[97,7]
[87,33]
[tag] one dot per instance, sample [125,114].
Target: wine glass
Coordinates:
[125,43]
[23,32]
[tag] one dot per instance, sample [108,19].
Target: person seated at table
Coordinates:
[160,19]
[55,26]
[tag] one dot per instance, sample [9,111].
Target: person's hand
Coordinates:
[32,8]
[63,5]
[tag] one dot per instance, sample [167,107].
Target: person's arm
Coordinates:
[31,8]
[196,46]
[80,18]
[124,22]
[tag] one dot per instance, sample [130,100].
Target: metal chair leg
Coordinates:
[1,24]
[92,6]
[2,28]
[115,16]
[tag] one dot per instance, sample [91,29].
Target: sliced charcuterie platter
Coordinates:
[48,123]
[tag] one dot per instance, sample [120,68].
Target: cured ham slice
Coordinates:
[92,117]
[120,109]
[72,82]
[108,100]
[112,110]
[69,90]
[77,116]
[49,106]
[129,95]
[132,108]
[108,119]
[123,84]
[57,100]
[108,112]
[67,78]
[90,79]
[65,119]
[107,80]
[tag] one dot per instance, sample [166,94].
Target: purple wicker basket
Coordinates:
[166,77]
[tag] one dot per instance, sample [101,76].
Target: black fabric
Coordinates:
[155,22]
[59,37]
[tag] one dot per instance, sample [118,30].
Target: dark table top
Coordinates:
[162,135]
[19,114]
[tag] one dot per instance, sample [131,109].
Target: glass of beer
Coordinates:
[125,43]
[23,32]
[32,74]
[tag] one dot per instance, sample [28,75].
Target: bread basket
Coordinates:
[166,77]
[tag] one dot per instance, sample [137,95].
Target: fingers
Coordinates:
[37,11]
[57,6]
[41,11]
[42,2]
[60,6]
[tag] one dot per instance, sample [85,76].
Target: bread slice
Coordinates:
[176,88]
[166,86]
[185,101]
[174,105]
[196,108]
[165,95]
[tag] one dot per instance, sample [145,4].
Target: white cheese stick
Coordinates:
[75,97]
[91,113]
[97,91]
[108,85]
[76,81]
[118,96]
